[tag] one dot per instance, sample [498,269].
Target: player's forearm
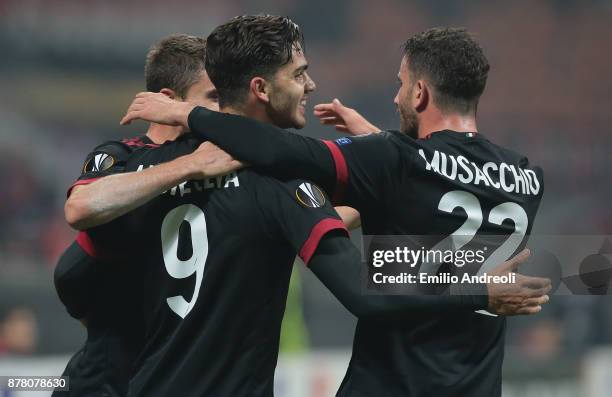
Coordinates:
[263,145]
[111,197]
[337,264]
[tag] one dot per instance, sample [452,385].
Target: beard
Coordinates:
[283,109]
[409,122]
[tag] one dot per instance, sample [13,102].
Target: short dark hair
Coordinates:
[248,46]
[453,62]
[175,62]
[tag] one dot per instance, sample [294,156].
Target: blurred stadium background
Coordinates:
[68,70]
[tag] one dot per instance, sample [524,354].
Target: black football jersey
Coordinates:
[467,190]
[457,189]
[83,280]
[214,257]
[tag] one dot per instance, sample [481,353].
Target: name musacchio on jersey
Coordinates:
[499,175]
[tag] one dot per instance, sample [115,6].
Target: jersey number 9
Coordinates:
[176,267]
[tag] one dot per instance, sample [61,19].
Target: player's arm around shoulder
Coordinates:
[366,167]
[116,193]
[104,160]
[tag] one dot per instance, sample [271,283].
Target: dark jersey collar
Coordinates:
[139,141]
[464,136]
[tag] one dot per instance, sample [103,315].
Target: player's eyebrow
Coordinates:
[301,69]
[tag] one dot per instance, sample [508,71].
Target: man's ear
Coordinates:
[421,95]
[169,93]
[260,89]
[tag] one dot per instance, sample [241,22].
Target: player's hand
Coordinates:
[344,118]
[157,107]
[350,216]
[209,160]
[525,296]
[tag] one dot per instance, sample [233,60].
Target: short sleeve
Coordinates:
[106,159]
[365,166]
[298,212]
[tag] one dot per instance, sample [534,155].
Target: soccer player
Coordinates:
[263,99]
[437,176]
[174,67]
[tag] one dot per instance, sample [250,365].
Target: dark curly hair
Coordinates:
[248,46]
[453,62]
[175,62]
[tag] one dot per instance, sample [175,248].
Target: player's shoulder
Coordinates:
[387,145]
[302,190]
[114,151]
[393,141]
[137,142]
[396,137]
[187,141]
[476,142]
[121,147]
[105,156]
[146,153]
[509,155]
[513,158]
[125,144]
[111,147]
[506,151]
[387,138]
[401,148]
[258,178]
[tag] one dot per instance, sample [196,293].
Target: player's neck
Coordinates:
[437,121]
[159,133]
[251,112]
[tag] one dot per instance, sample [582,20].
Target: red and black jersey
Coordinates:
[470,192]
[114,333]
[214,258]
[459,187]
[109,158]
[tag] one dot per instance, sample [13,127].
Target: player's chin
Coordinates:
[299,121]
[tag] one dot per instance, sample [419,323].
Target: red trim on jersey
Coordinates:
[316,234]
[81,182]
[341,171]
[138,142]
[88,246]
